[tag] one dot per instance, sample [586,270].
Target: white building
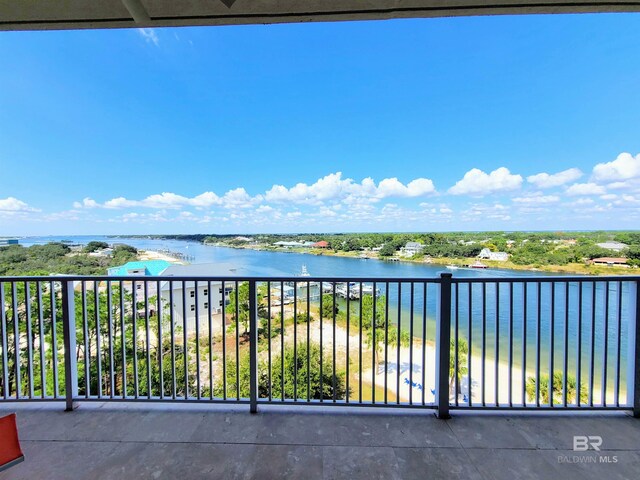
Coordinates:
[487,254]
[198,295]
[411,249]
[615,246]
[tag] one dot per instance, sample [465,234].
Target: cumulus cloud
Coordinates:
[586,189]
[13,205]
[478,183]
[334,187]
[149,35]
[624,167]
[546,180]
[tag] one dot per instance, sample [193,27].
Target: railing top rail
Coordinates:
[341,279]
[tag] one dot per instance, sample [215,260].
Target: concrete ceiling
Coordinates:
[72,14]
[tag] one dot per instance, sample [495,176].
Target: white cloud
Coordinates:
[546,180]
[334,187]
[624,167]
[537,199]
[13,205]
[586,189]
[478,183]
[149,35]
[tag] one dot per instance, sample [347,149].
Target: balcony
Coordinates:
[159,374]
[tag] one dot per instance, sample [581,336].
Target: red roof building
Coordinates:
[321,244]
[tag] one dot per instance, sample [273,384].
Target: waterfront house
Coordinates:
[611,262]
[487,254]
[321,244]
[411,249]
[8,241]
[143,268]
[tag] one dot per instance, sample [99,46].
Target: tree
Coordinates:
[387,250]
[329,307]
[456,374]
[297,372]
[93,246]
[557,389]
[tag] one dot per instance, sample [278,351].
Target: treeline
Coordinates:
[60,258]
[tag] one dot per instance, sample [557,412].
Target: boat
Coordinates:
[478,264]
[305,272]
[452,267]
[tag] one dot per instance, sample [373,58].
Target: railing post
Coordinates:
[253,346]
[633,357]
[69,335]
[443,341]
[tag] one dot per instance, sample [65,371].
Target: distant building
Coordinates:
[208,294]
[611,261]
[288,244]
[321,244]
[615,246]
[140,268]
[411,249]
[487,254]
[105,252]
[8,241]
[243,239]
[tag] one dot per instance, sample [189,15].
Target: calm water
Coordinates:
[566,311]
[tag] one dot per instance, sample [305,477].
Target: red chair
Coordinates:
[10,452]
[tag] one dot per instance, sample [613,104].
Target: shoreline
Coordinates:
[570,269]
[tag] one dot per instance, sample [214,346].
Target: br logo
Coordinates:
[582,443]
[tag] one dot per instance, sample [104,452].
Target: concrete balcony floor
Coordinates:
[116,441]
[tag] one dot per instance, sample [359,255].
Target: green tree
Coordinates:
[94,246]
[455,374]
[329,307]
[296,367]
[557,389]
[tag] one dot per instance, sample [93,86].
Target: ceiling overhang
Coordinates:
[87,14]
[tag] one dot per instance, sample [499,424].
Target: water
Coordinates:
[263,263]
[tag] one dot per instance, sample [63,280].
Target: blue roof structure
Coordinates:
[151,267]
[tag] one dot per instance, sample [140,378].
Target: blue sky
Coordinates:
[515,123]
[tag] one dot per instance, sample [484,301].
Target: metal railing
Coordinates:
[440,343]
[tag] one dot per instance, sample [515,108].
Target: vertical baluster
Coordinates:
[484,343]
[134,326]
[185,339]
[309,341]
[196,286]
[424,340]
[469,355]
[269,340]
[525,288]
[510,382]
[210,298]
[456,347]
[111,338]
[538,341]
[148,336]
[605,353]
[295,341]
[593,343]
[618,341]
[123,342]
[16,339]
[43,377]
[159,312]
[552,341]
[54,339]
[333,369]
[565,361]
[497,342]
[174,385]
[579,347]
[386,340]
[282,342]
[374,344]
[5,345]
[348,321]
[96,299]
[399,336]
[321,346]
[29,333]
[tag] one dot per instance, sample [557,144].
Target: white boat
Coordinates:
[452,267]
[304,272]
